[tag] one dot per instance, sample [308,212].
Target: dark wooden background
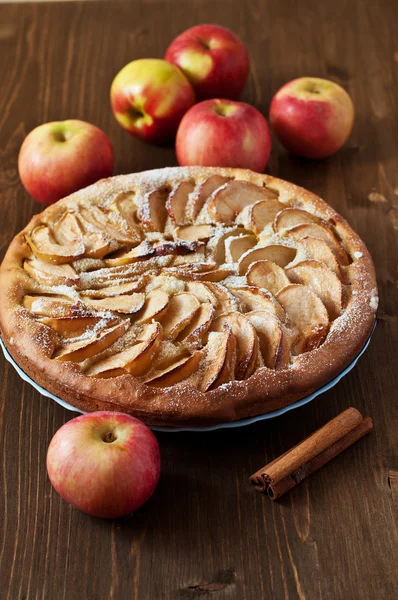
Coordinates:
[205,533]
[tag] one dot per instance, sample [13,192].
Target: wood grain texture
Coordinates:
[205,533]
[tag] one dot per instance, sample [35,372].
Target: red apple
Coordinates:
[223,133]
[106,464]
[149,98]
[312,117]
[62,157]
[213,58]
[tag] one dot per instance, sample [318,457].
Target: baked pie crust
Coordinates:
[186,296]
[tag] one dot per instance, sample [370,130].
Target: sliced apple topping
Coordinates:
[319,250]
[202,292]
[246,342]
[125,205]
[177,372]
[268,275]
[214,275]
[220,360]
[88,347]
[152,212]
[228,201]
[120,289]
[194,232]
[322,281]
[180,311]
[320,232]
[141,252]
[274,344]
[236,246]
[179,248]
[307,314]
[200,324]
[49,274]
[136,360]
[290,217]
[177,202]
[126,304]
[202,193]
[257,216]
[280,255]
[253,298]
[67,229]
[44,246]
[71,327]
[54,306]
[226,302]
[156,303]
[109,223]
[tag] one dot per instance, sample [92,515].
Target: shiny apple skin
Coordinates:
[149,97]
[312,117]
[213,58]
[104,479]
[61,157]
[223,133]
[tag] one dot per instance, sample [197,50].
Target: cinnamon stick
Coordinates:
[285,472]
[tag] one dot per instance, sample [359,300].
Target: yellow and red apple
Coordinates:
[61,157]
[149,97]
[223,133]
[312,117]
[213,58]
[106,464]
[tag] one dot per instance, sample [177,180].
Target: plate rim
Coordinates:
[229,425]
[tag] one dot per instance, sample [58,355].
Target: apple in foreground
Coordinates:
[312,117]
[149,97]
[106,464]
[213,58]
[61,157]
[223,133]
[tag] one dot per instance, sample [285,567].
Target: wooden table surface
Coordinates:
[205,533]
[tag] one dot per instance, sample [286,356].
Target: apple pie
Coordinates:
[186,296]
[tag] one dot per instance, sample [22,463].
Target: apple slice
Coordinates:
[67,229]
[199,325]
[290,217]
[194,232]
[246,342]
[216,246]
[257,216]
[202,292]
[71,327]
[236,246]
[268,275]
[152,211]
[176,204]
[44,246]
[54,306]
[125,205]
[280,255]
[181,310]
[179,248]
[226,302]
[127,304]
[323,282]
[307,315]
[141,252]
[319,250]
[86,264]
[252,298]
[220,360]
[135,360]
[177,372]
[116,290]
[49,274]
[274,344]
[109,223]
[88,347]
[228,201]
[214,275]
[188,271]
[199,256]
[202,193]
[320,232]
[156,303]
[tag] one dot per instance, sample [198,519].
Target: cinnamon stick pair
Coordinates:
[285,472]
